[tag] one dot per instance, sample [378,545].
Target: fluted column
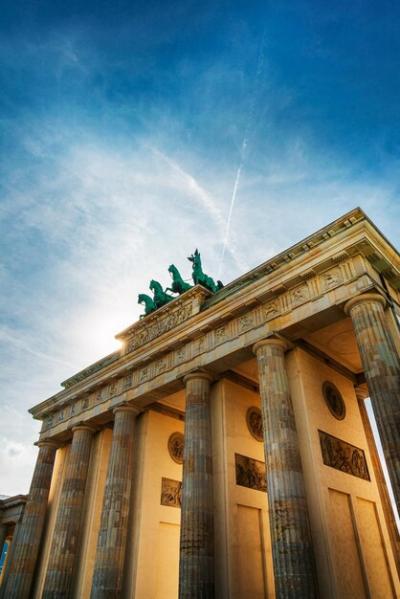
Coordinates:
[381,363]
[21,566]
[61,569]
[111,545]
[292,552]
[3,534]
[196,565]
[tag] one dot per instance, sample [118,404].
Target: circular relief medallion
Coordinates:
[334,400]
[175,447]
[254,423]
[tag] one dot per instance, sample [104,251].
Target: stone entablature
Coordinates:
[164,319]
[92,369]
[383,262]
[229,335]
[12,508]
[324,278]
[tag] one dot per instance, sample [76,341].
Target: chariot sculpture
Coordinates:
[161,297]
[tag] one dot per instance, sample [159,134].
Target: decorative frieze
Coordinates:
[343,456]
[158,322]
[246,322]
[331,278]
[165,319]
[271,310]
[300,295]
[250,473]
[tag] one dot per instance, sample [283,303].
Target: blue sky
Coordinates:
[132,133]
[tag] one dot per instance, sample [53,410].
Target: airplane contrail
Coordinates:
[243,149]
[201,195]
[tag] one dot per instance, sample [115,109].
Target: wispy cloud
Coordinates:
[118,162]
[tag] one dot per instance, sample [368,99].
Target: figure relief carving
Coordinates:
[254,423]
[250,473]
[175,447]
[143,375]
[161,366]
[200,344]
[343,456]
[171,492]
[165,323]
[271,310]
[332,278]
[245,322]
[220,334]
[180,354]
[334,400]
[127,381]
[300,294]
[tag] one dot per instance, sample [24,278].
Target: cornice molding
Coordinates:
[293,284]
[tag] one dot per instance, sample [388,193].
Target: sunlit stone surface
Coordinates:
[297,507]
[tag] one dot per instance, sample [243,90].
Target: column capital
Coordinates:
[47,443]
[364,297]
[272,342]
[198,374]
[82,426]
[126,407]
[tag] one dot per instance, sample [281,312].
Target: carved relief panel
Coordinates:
[254,423]
[175,447]
[250,473]
[171,492]
[343,456]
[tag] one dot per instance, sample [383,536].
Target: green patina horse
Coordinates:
[160,297]
[199,277]
[178,284]
[149,305]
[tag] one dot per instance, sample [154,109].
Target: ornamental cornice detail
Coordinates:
[364,243]
[294,300]
[164,319]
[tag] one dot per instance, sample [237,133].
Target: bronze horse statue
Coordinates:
[199,277]
[178,284]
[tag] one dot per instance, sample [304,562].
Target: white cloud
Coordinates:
[93,221]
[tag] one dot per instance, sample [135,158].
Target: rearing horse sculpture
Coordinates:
[199,277]
[160,297]
[178,284]
[149,305]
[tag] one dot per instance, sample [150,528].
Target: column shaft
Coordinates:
[111,545]
[61,569]
[196,566]
[294,567]
[21,565]
[3,534]
[381,363]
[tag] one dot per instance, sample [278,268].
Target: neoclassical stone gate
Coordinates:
[342,281]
